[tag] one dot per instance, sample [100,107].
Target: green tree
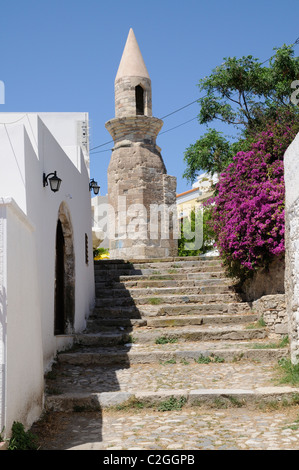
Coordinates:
[211,153]
[245,94]
[200,225]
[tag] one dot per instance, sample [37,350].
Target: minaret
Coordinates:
[141,195]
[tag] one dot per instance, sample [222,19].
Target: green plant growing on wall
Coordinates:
[20,439]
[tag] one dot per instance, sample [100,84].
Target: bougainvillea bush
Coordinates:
[248,208]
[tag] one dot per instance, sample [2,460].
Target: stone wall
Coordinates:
[266,293]
[272,309]
[125,102]
[137,182]
[268,281]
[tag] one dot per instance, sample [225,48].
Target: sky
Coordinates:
[63,56]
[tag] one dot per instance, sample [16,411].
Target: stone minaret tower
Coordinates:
[139,189]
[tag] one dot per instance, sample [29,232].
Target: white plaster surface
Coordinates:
[31,144]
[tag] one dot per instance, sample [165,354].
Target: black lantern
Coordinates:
[94,185]
[54,181]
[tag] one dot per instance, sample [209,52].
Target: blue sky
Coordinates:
[63,55]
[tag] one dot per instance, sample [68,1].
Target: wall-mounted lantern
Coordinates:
[94,185]
[54,181]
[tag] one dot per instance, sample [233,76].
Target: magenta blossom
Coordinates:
[248,208]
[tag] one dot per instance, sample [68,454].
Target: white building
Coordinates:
[46,262]
[99,207]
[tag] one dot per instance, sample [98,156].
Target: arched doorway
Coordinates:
[64,274]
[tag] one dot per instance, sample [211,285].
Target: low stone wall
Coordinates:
[265,282]
[273,310]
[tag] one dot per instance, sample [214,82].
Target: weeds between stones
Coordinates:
[260,323]
[172,404]
[207,359]
[155,301]
[281,344]
[289,372]
[166,339]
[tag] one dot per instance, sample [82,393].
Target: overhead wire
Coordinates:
[163,117]
[174,112]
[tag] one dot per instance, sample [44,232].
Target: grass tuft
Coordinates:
[289,372]
[166,339]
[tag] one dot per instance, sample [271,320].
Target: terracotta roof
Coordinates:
[187,192]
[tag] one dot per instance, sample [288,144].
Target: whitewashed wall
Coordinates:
[22,374]
[291,176]
[31,144]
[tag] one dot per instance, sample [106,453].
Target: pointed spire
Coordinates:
[132,63]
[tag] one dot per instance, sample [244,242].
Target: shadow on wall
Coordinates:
[85,377]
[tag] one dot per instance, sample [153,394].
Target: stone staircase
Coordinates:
[171,329]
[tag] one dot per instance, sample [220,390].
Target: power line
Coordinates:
[177,110]
[163,117]
[101,151]
[296,42]
[102,145]
[175,127]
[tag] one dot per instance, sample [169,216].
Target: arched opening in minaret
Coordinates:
[139,95]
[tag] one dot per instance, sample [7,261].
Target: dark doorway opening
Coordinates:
[139,95]
[60,323]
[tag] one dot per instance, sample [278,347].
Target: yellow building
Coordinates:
[195,197]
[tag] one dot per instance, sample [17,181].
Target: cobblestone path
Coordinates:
[171,359]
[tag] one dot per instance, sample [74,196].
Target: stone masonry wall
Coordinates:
[266,281]
[137,180]
[272,309]
[125,101]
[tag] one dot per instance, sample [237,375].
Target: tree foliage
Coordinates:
[211,153]
[248,209]
[245,94]
[208,235]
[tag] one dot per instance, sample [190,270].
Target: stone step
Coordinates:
[133,354]
[168,276]
[200,333]
[197,308]
[168,322]
[129,271]
[102,324]
[118,275]
[167,299]
[204,372]
[146,311]
[179,265]
[199,379]
[226,398]
[137,292]
[159,283]
[155,264]
[161,322]
[189,333]
[124,312]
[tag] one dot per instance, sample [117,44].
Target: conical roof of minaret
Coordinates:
[132,63]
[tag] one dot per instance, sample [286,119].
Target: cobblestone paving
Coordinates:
[240,410]
[164,376]
[187,429]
